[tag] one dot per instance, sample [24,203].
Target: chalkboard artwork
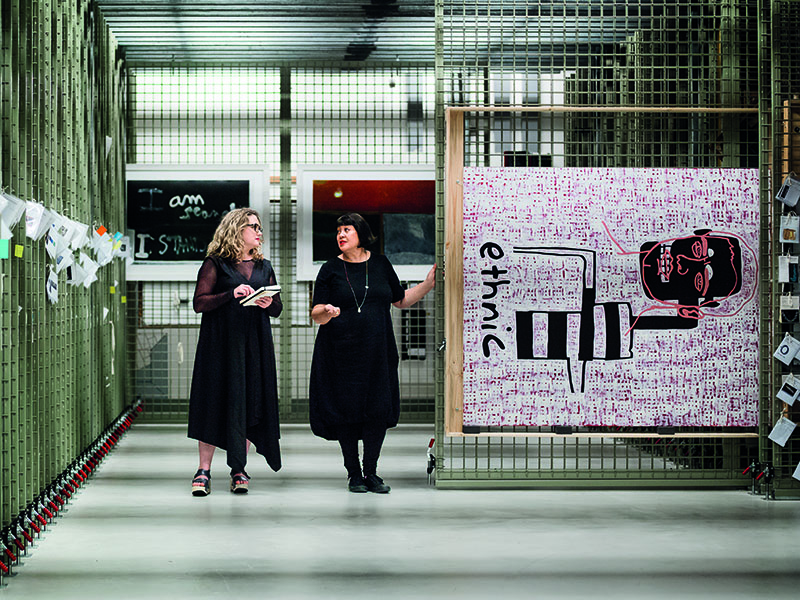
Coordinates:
[611,297]
[174,220]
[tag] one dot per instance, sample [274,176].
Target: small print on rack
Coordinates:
[790,229]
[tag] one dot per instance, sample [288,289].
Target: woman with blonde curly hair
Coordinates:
[234,395]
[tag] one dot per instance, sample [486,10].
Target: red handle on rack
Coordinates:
[33,526]
[10,554]
[25,534]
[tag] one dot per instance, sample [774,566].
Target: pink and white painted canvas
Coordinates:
[624,297]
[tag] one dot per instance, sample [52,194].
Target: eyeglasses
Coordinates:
[255,227]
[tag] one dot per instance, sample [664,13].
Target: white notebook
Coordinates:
[262,292]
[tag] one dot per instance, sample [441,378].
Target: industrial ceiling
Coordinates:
[246,31]
[186,32]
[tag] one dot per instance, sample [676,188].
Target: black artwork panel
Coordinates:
[174,220]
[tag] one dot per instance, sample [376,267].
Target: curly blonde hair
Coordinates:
[227,241]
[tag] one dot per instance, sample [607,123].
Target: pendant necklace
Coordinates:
[366,285]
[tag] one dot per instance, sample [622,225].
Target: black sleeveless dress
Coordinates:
[354,366]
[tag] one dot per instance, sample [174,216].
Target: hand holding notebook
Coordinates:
[262,292]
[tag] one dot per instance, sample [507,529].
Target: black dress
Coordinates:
[234,394]
[354,366]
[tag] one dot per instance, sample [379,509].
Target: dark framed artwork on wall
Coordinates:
[398,202]
[173,211]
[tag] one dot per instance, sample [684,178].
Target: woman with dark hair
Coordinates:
[234,396]
[355,393]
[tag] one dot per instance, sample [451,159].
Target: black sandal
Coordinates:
[201,484]
[239,482]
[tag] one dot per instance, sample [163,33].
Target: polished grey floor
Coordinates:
[136,532]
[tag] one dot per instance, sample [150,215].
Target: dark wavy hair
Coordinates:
[357,222]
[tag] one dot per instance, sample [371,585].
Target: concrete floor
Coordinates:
[136,532]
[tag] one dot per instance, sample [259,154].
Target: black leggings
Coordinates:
[372,435]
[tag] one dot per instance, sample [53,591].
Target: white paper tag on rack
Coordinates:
[51,285]
[790,390]
[782,431]
[787,268]
[790,229]
[787,350]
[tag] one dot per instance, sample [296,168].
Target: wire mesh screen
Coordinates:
[204,116]
[321,114]
[782,94]
[347,115]
[591,64]
[63,379]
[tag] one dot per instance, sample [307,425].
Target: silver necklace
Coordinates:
[366,285]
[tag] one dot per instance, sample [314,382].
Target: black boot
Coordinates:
[375,484]
[356,483]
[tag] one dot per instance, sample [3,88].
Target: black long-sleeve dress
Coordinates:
[354,366]
[234,395]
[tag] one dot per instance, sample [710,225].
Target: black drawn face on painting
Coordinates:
[692,272]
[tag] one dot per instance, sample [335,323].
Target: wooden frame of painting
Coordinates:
[454,284]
